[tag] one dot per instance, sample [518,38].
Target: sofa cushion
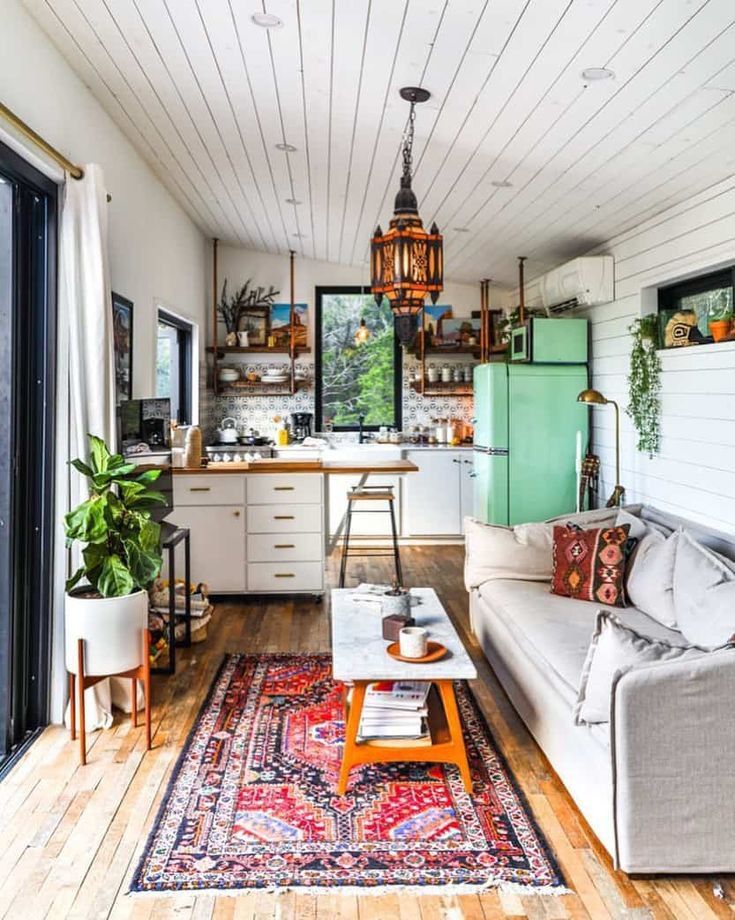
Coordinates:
[617,647]
[493,551]
[589,565]
[556,631]
[704,594]
[651,579]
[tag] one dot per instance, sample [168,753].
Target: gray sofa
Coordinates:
[657,783]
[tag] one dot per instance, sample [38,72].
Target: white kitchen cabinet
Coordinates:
[466,486]
[217,545]
[432,496]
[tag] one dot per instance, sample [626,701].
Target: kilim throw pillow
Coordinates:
[589,565]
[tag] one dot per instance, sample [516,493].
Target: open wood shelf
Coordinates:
[245,388]
[473,350]
[258,350]
[450,388]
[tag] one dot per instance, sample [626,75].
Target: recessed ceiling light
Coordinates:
[461,229]
[292,201]
[266,20]
[286,148]
[301,236]
[597,73]
[501,183]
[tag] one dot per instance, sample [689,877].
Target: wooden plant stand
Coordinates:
[85,681]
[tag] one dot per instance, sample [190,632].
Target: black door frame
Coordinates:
[27,381]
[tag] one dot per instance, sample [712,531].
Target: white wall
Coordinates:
[693,474]
[237,265]
[157,254]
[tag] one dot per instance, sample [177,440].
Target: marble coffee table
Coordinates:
[359,657]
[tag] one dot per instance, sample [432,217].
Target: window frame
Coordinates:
[185,345]
[319,293]
[712,281]
[27,491]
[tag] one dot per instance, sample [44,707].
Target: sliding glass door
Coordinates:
[27,348]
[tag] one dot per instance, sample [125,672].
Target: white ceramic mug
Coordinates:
[413,641]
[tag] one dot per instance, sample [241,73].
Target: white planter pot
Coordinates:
[112,629]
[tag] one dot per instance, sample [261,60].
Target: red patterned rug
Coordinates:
[252,801]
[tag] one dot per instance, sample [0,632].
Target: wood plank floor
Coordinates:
[71,835]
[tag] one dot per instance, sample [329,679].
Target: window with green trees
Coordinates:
[356,379]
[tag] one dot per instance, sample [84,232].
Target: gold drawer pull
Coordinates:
[283,488]
[282,517]
[284,575]
[200,489]
[284,546]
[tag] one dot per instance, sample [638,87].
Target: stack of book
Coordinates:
[395,710]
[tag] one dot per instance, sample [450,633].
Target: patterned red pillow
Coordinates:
[589,565]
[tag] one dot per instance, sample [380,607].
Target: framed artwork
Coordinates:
[497,342]
[434,317]
[122,333]
[281,323]
[254,320]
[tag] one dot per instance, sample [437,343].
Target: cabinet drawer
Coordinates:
[285,576]
[294,547]
[285,489]
[284,519]
[209,489]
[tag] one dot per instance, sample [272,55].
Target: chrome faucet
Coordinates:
[361,433]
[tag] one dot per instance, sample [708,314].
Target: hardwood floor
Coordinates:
[71,835]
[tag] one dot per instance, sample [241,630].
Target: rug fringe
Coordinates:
[516,888]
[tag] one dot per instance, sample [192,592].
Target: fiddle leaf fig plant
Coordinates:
[644,384]
[121,551]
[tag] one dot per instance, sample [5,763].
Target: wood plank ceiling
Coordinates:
[516,153]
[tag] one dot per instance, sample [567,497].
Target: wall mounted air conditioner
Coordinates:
[584,282]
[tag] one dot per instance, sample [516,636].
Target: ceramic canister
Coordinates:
[413,642]
[396,602]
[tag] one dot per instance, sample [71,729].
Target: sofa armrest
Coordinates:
[673,745]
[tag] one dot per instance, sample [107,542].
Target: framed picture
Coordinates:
[435,316]
[497,343]
[254,321]
[281,324]
[122,332]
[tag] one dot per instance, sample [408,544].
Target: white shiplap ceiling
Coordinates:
[206,96]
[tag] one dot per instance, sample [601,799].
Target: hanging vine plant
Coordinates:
[644,384]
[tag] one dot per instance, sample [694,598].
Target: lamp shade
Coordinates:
[592,397]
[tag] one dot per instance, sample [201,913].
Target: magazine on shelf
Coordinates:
[397,694]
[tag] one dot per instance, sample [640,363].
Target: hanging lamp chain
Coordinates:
[408,144]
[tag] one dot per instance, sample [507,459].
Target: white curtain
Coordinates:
[85,386]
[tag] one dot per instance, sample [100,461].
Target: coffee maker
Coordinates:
[301,425]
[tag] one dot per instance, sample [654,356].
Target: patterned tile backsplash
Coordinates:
[258,411]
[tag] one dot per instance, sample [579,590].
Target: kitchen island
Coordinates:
[261,527]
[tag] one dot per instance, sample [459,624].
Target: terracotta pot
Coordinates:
[111,628]
[719,329]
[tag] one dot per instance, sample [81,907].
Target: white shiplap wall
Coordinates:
[694,474]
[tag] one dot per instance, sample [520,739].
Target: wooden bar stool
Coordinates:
[374,493]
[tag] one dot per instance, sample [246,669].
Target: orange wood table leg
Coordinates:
[134,701]
[80,685]
[350,753]
[454,723]
[72,708]
[147,686]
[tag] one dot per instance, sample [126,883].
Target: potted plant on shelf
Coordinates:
[720,317]
[121,556]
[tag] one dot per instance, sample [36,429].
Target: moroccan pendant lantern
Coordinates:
[407,263]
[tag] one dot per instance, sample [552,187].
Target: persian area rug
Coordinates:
[252,804]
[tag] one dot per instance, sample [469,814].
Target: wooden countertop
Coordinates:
[303,466]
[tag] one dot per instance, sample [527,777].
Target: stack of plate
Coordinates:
[274,378]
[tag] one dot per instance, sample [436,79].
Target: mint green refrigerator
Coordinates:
[526,423]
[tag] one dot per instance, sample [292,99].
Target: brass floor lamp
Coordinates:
[595,398]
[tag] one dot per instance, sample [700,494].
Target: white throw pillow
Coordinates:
[638,528]
[491,551]
[616,647]
[650,583]
[704,594]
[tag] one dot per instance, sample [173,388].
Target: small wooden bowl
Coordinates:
[434,652]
